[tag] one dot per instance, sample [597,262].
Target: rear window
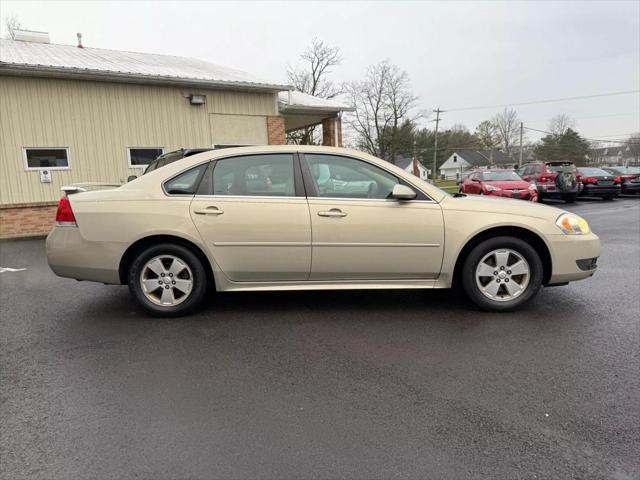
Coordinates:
[561,167]
[594,171]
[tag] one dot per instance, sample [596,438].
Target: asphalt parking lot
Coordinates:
[406,384]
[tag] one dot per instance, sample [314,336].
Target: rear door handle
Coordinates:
[209,211]
[334,212]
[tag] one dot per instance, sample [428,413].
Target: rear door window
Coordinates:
[260,175]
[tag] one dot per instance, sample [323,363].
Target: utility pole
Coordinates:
[520,160]
[435,145]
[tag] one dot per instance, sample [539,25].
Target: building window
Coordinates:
[37,158]
[142,156]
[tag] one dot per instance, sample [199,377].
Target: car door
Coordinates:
[359,232]
[252,214]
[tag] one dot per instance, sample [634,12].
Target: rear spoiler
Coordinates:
[87,186]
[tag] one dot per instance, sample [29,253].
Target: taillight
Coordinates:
[617,180]
[64,215]
[546,179]
[589,180]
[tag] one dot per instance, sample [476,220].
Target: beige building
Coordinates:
[75,114]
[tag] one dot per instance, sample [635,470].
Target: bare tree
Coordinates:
[507,126]
[382,102]
[633,144]
[12,23]
[560,124]
[487,134]
[318,59]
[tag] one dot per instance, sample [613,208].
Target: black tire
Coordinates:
[472,289]
[569,197]
[608,197]
[186,256]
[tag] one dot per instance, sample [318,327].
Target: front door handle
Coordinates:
[209,211]
[334,212]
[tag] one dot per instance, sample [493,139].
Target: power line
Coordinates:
[588,116]
[592,139]
[551,100]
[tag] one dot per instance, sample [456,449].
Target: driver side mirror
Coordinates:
[402,192]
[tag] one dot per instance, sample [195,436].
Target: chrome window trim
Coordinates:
[254,197]
[431,200]
[388,200]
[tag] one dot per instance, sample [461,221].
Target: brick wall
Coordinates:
[27,220]
[275,131]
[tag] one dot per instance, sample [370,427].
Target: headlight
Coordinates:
[491,188]
[572,224]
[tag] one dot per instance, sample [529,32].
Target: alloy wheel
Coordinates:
[502,275]
[166,280]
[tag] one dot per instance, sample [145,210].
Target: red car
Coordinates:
[499,183]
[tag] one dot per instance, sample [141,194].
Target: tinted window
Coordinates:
[255,175]
[344,177]
[47,157]
[186,183]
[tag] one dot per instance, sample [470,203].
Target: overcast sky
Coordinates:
[458,55]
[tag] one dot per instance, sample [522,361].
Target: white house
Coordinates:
[461,161]
[408,166]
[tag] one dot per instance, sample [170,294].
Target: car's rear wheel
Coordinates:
[502,274]
[167,280]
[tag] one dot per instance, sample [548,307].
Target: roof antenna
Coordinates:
[79,40]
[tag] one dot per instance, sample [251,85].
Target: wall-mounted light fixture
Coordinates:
[197,99]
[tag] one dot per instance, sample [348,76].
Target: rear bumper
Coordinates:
[570,254]
[551,190]
[600,190]
[630,187]
[70,255]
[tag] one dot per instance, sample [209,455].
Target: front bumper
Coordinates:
[568,253]
[72,256]
[524,194]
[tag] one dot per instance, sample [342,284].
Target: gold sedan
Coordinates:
[310,218]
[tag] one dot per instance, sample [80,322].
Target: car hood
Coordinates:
[489,204]
[519,184]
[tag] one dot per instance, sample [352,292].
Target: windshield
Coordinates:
[597,172]
[505,176]
[561,167]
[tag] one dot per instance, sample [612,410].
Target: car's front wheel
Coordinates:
[502,273]
[167,280]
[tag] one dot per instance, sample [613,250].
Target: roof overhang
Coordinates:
[119,77]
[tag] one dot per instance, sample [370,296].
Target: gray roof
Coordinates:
[114,65]
[483,158]
[403,162]
[299,102]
